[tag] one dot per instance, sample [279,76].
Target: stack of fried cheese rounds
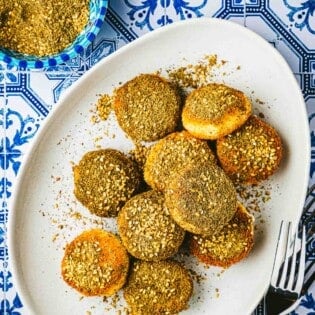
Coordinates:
[190,194]
[156,284]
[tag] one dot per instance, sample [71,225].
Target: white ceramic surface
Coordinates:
[44,214]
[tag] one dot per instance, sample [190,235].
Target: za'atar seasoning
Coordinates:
[41,28]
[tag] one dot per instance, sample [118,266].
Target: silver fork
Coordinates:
[288,271]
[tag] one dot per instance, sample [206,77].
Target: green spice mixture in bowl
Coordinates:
[38,34]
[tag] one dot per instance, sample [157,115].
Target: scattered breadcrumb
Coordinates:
[102,108]
[217,292]
[193,75]
[139,153]
[254,197]
[198,74]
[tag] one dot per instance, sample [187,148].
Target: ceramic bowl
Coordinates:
[98,10]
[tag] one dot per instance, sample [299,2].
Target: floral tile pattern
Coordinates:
[27,97]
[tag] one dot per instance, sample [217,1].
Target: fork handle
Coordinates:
[274,305]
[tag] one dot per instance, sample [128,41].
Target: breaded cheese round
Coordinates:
[95,263]
[147,107]
[146,228]
[215,110]
[104,180]
[201,198]
[169,154]
[158,288]
[230,245]
[252,153]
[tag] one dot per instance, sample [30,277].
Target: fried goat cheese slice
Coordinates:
[158,288]
[201,198]
[104,180]
[95,263]
[146,228]
[169,154]
[215,110]
[252,153]
[228,246]
[147,107]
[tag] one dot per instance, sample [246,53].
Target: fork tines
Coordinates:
[289,263]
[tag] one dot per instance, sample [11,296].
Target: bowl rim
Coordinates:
[67,53]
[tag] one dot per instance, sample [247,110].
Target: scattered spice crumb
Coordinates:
[102,109]
[195,75]
[217,292]
[196,276]
[254,197]
[104,106]
[97,139]
[220,273]
[55,237]
[258,101]
[76,215]
[115,300]
[55,178]
[139,154]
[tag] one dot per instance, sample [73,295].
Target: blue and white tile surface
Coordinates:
[26,97]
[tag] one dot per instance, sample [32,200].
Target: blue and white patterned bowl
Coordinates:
[98,10]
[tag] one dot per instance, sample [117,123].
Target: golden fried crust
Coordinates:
[169,154]
[95,263]
[201,198]
[104,180]
[252,153]
[147,107]
[215,110]
[146,228]
[230,245]
[158,288]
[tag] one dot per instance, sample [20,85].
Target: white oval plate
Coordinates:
[45,215]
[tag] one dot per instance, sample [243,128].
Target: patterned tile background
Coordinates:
[26,98]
